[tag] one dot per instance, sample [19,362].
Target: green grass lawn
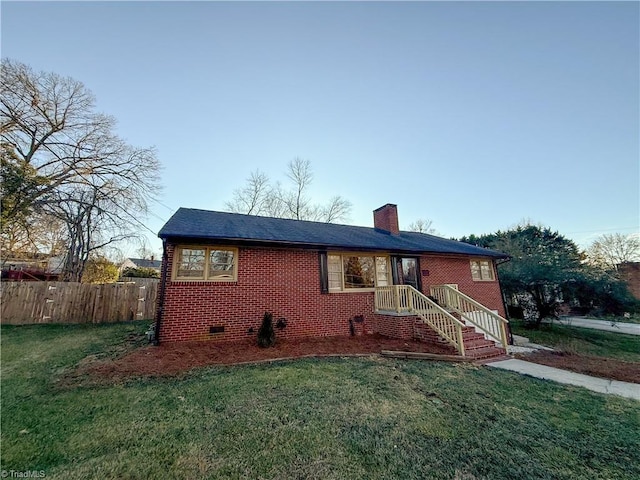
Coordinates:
[331,418]
[583,341]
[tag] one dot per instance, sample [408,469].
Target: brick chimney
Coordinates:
[386,218]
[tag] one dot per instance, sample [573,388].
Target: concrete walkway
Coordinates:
[618,327]
[601,385]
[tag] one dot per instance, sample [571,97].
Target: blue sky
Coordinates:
[474,115]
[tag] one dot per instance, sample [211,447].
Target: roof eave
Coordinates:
[319,246]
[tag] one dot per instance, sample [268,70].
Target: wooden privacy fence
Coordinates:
[65,302]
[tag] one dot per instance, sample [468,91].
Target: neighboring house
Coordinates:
[630,273]
[222,271]
[142,263]
[34,269]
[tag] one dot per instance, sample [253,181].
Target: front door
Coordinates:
[407,272]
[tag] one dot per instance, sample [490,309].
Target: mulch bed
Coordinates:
[595,366]
[176,358]
[172,359]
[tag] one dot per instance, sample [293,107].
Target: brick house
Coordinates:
[222,271]
[630,273]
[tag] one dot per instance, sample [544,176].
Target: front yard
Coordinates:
[582,341]
[337,418]
[598,353]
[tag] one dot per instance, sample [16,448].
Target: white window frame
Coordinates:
[479,263]
[232,276]
[335,266]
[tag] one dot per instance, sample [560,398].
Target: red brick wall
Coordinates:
[630,273]
[283,282]
[386,218]
[395,326]
[287,284]
[438,270]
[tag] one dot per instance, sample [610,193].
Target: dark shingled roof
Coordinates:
[192,224]
[144,263]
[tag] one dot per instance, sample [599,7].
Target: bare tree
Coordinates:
[43,235]
[298,205]
[252,198]
[93,221]
[260,196]
[610,250]
[337,209]
[422,226]
[68,163]
[145,252]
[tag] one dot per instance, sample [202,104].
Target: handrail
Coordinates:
[492,324]
[406,299]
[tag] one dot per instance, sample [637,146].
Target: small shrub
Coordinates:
[100,270]
[266,334]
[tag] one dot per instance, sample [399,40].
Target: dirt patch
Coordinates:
[172,359]
[595,366]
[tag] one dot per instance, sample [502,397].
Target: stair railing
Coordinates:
[490,323]
[406,299]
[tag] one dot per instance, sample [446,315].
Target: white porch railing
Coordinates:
[406,299]
[483,319]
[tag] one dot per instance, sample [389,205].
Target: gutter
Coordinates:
[161,287]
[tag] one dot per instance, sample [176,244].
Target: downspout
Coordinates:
[504,300]
[161,290]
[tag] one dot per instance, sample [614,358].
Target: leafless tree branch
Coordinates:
[260,196]
[77,170]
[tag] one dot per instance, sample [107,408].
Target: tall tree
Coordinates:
[42,236]
[297,203]
[260,196]
[64,161]
[252,199]
[422,225]
[610,250]
[542,263]
[20,184]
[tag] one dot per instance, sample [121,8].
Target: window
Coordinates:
[382,271]
[220,264]
[335,272]
[357,271]
[205,263]
[482,270]
[190,263]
